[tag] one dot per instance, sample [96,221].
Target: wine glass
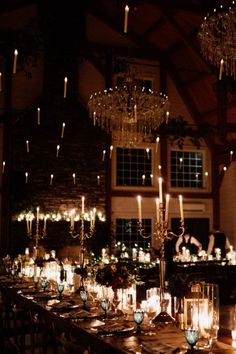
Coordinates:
[138,316]
[44,283]
[60,288]
[105,304]
[191,336]
[84,297]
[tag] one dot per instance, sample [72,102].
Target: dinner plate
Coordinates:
[114,328]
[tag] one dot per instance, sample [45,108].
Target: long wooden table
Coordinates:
[153,339]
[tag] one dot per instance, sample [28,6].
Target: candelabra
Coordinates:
[40,233]
[162,233]
[81,234]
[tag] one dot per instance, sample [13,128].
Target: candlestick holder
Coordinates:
[40,233]
[80,233]
[162,233]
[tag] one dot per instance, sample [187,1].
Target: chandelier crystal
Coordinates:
[217,37]
[129,111]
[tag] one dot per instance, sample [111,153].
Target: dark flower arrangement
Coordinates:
[115,275]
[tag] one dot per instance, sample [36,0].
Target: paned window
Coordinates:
[133,167]
[186,169]
[127,233]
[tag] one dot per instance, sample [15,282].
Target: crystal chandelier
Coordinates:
[217,37]
[129,111]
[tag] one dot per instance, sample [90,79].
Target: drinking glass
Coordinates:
[138,316]
[44,283]
[105,304]
[84,297]
[60,288]
[191,336]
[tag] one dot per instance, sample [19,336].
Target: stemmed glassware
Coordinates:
[84,297]
[105,305]
[191,336]
[60,288]
[138,316]
[44,283]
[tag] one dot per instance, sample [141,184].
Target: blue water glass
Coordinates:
[138,316]
[60,288]
[44,284]
[191,336]
[83,296]
[105,304]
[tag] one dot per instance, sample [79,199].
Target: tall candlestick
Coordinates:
[51,178]
[45,223]
[0,82]
[37,214]
[38,116]
[160,190]
[126,18]
[147,151]
[143,178]
[63,129]
[111,149]
[181,207]
[98,180]
[139,208]
[231,155]
[157,143]
[103,155]
[157,210]
[26,177]
[167,116]
[58,148]
[94,118]
[3,166]
[72,219]
[221,69]
[135,113]
[73,176]
[167,207]
[27,145]
[82,207]
[65,87]
[15,61]
[159,170]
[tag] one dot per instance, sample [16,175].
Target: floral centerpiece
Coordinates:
[116,275]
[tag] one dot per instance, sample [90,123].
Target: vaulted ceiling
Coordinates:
[161,30]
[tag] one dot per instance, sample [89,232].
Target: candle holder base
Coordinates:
[163,317]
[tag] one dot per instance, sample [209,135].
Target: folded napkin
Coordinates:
[114,328]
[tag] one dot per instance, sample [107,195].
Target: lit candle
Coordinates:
[15,61]
[147,151]
[63,130]
[73,176]
[139,208]
[160,190]
[58,148]
[98,180]
[38,115]
[143,178]
[103,155]
[51,178]
[65,87]
[135,113]
[167,116]
[157,210]
[45,223]
[27,224]
[180,162]
[224,168]
[82,208]
[167,207]
[231,155]
[72,219]
[26,177]
[221,69]
[3,166]
[181,207]
[157,143]
[27,145]
[0,81]
[111,149]
[126,18]
[159,170]
[37,214]
[94,118]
